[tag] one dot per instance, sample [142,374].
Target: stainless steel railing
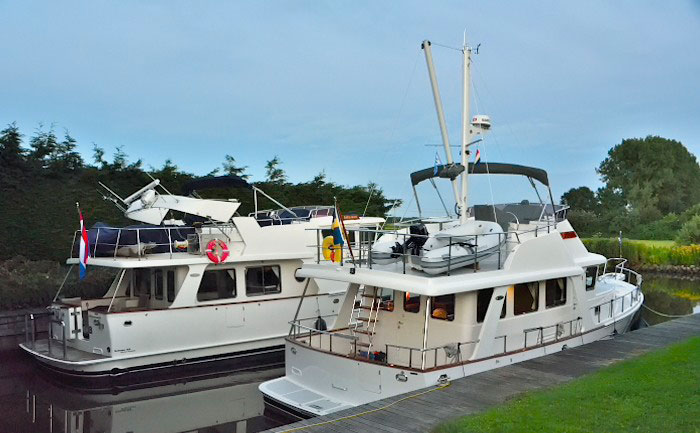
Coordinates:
[96,246]
[362,239]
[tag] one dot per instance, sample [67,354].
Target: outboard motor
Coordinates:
[419,234]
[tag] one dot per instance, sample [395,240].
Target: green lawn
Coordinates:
[657,392]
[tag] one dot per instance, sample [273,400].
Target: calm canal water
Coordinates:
[30,402]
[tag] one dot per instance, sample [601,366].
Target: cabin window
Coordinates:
[411,303]
[443,307]
[217,284]
[483,299]
[158,286]
[262,280]
[171,285]
[142,283]
[526,297]
[591,275]
[555,292]
[386,299]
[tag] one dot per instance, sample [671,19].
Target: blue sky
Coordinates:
[343,87]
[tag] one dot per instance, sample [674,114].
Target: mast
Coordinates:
[440,114]
[466,77]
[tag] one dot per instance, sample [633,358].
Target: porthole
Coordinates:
[299,279]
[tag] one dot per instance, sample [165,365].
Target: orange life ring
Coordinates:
[217,251]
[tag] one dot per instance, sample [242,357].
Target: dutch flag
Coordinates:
[83,251]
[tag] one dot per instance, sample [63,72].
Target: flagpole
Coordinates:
[345,233]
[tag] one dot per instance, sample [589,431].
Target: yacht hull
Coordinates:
[326,396]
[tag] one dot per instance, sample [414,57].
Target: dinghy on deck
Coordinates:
[459,246]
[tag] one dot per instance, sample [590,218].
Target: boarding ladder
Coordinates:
[363,319]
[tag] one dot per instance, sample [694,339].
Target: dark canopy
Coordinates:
[228,181]
[452,171]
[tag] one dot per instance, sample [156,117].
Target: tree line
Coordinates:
[651,190]
[42,177]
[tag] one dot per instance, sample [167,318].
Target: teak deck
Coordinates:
[484,390]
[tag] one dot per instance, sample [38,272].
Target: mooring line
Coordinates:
[670,316]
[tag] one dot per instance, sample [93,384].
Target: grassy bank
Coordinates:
[646,252]
[655,392]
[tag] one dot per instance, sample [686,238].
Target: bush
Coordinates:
[33,283]
[689,234]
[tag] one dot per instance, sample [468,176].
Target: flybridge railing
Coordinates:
[411,245]
[293,215]
[137,241]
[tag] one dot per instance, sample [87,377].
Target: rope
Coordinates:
[367,412]
[670,316]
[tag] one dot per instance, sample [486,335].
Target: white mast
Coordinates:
[466,76]
[440,114]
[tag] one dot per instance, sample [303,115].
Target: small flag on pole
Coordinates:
[83,249]
[477,158]
[437,163]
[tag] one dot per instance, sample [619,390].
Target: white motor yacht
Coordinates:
[210,286]
[530,290]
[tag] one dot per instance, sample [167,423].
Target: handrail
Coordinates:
[365,236]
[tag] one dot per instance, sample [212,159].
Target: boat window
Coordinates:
[591,275]
[386,299]
[262,280]
[555,292]
[411,303]
[217,284]
[526,297]
[142,283]
[158,278]
[443,307]
[483,299]
[171,286]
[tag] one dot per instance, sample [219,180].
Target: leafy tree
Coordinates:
[273,173]
[231,168]
[581,198]
[653,174]
[11,152]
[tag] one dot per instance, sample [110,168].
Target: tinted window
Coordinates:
[158,280]
[526,297]
[443,307]
[171,285]
[262,280]
[483,299]
[555,292]
[411,303]
[217,284]
[591,275]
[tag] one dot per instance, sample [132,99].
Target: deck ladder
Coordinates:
[363,320]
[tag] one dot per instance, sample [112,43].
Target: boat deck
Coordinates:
[473,394]
[72,355]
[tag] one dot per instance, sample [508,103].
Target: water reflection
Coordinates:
[670,295]
[229,403]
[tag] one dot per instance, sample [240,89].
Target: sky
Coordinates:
[343,86]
